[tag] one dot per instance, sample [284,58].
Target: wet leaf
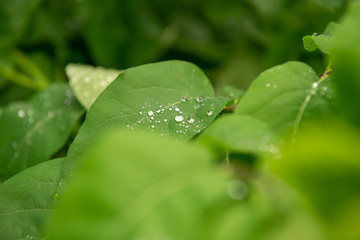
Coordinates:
[88,82]
[287,96]
[33,131]
[171,99]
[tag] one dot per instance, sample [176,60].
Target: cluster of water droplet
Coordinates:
[172,116]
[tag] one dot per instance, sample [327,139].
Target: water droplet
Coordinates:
[170,108]
[177,109]
[237,190]
[158,111]
[165,120]
[183,99]
[179,118]
[210,112]
[67,101]
[87,80]
[128,125]
[21,113]
[30,112]
[191,120]
[103,83]
[31,120]
[50,114]
[268,85]
[199,99]
[140,112]
[312,92]
[275,86]
[314,85]
[152,126]
[315,35]
[150,113]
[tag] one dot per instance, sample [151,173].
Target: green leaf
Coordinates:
[322,41]
[172,99]
[88,82]
[137,186]
[287,96]
[324,166]
[240,134]
[27,199]
[346,59]
[32,132]
[314,42]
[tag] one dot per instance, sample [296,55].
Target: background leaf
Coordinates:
[32,132]
[346,58]
[171,99]
[27,199]
[140,189]
[88,82]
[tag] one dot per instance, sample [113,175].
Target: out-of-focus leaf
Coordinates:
[314,42]
[33,131]
[27,199]
[241,134]
[130,186]
[324,166]
[287,96]
[346,59]
[171,99]
[88,82]
[322,41]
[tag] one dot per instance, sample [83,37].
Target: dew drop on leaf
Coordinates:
[21,113]
[268,85]
[150,113]
[179,118]
[191,120]
[199,99]
[183,99]
[314,85]
[237,190]
[209,113]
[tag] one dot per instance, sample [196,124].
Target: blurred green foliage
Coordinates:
[232,40]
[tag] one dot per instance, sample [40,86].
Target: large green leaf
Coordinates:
[324,166]
[88,82]
[346,59]
[137,186]
[27,199]
[240,134]
[288,95]
[171,99]
[32,132]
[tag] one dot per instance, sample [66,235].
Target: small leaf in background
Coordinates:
[32,132]
[286,96]
[27,200]
[136,187]
[88,82]
[346,59]
[324,166]
[239,134]
[170,99]
[322,41]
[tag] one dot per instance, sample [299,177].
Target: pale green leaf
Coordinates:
[88,82]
